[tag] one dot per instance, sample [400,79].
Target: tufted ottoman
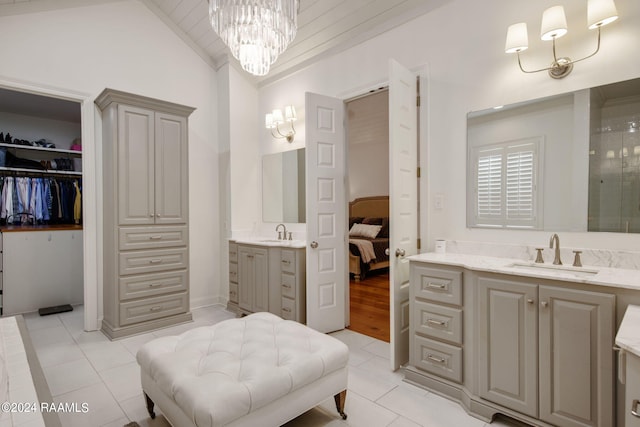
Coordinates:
[256,370]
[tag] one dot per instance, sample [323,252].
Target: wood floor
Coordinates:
[369,309]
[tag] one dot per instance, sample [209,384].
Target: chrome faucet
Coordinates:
[280,236]
[556,260]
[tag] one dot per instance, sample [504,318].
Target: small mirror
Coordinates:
[283,187]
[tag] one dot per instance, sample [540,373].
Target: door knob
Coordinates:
[314,244]
[386,252]
[400,252]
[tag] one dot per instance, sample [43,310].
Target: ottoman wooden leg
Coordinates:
[150,406]
[340,399]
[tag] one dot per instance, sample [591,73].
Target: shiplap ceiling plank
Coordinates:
[324,26]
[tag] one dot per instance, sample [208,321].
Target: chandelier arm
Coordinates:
[554,56]
[276,136]
[282,135]
[596,51]
[293,129]
[530,71]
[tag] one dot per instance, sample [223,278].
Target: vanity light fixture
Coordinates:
[274,119]
[554,26]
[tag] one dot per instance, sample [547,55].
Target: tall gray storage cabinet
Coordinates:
[146,229]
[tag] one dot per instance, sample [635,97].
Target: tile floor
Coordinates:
[86,367]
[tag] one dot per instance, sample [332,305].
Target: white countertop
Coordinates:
[602,276]
[628,336]
[266,241]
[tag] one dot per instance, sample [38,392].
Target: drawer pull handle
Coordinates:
[156,308]
[634,408]
[284,261]
[435,358]
[286,286]
[155,261]
[436,285]
[286,310]
[436,322]
[155,237]
[249,256]
[154,285]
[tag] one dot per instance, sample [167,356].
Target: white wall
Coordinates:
[368,145]
[463,45]
[123,45]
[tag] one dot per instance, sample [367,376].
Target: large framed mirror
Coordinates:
[569,162]
[283,187]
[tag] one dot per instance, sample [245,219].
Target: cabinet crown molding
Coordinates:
[109,96]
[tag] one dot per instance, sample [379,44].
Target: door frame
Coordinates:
[421,71]
[91,171]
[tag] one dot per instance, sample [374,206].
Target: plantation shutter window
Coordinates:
[507,176]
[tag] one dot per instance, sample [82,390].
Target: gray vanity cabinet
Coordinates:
[507,344]
[546,351]
[253,278]
[267,278]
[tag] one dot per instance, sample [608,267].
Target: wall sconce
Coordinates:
[554,26]
[274,119]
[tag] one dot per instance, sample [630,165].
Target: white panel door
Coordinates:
[403,202]
[326,213]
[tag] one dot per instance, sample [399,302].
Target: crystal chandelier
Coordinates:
[256,31]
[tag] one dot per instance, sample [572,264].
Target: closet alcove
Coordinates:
[41,242]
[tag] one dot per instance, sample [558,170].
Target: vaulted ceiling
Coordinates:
[324,26]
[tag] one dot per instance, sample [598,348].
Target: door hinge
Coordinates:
[418,101]
[418,172]
[419,243]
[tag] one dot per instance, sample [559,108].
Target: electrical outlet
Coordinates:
[439,202]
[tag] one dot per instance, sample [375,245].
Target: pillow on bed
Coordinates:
[384,222]
[354,219]
[364,230]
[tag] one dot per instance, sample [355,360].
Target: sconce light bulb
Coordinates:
[277,116]
[600,13]
[290,113]
[268,121]
[517,38]
[554,23]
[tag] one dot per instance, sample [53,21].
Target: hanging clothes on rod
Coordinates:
[38,200]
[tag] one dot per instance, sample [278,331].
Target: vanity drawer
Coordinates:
[152,284]
[288,285]
[153,308]
[233,252]
[437,285]
[438,321]
[132,238]
[288,261]
[233,292]
[288,309]
[438,358]
[138,262]
[233,272]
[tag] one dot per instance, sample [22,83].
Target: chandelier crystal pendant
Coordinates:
[256,31]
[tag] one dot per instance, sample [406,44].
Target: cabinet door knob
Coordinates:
[314,245]
[634,408]
[544,303]
[530,300]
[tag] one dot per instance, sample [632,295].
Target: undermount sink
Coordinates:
[560,269]
[271,240]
